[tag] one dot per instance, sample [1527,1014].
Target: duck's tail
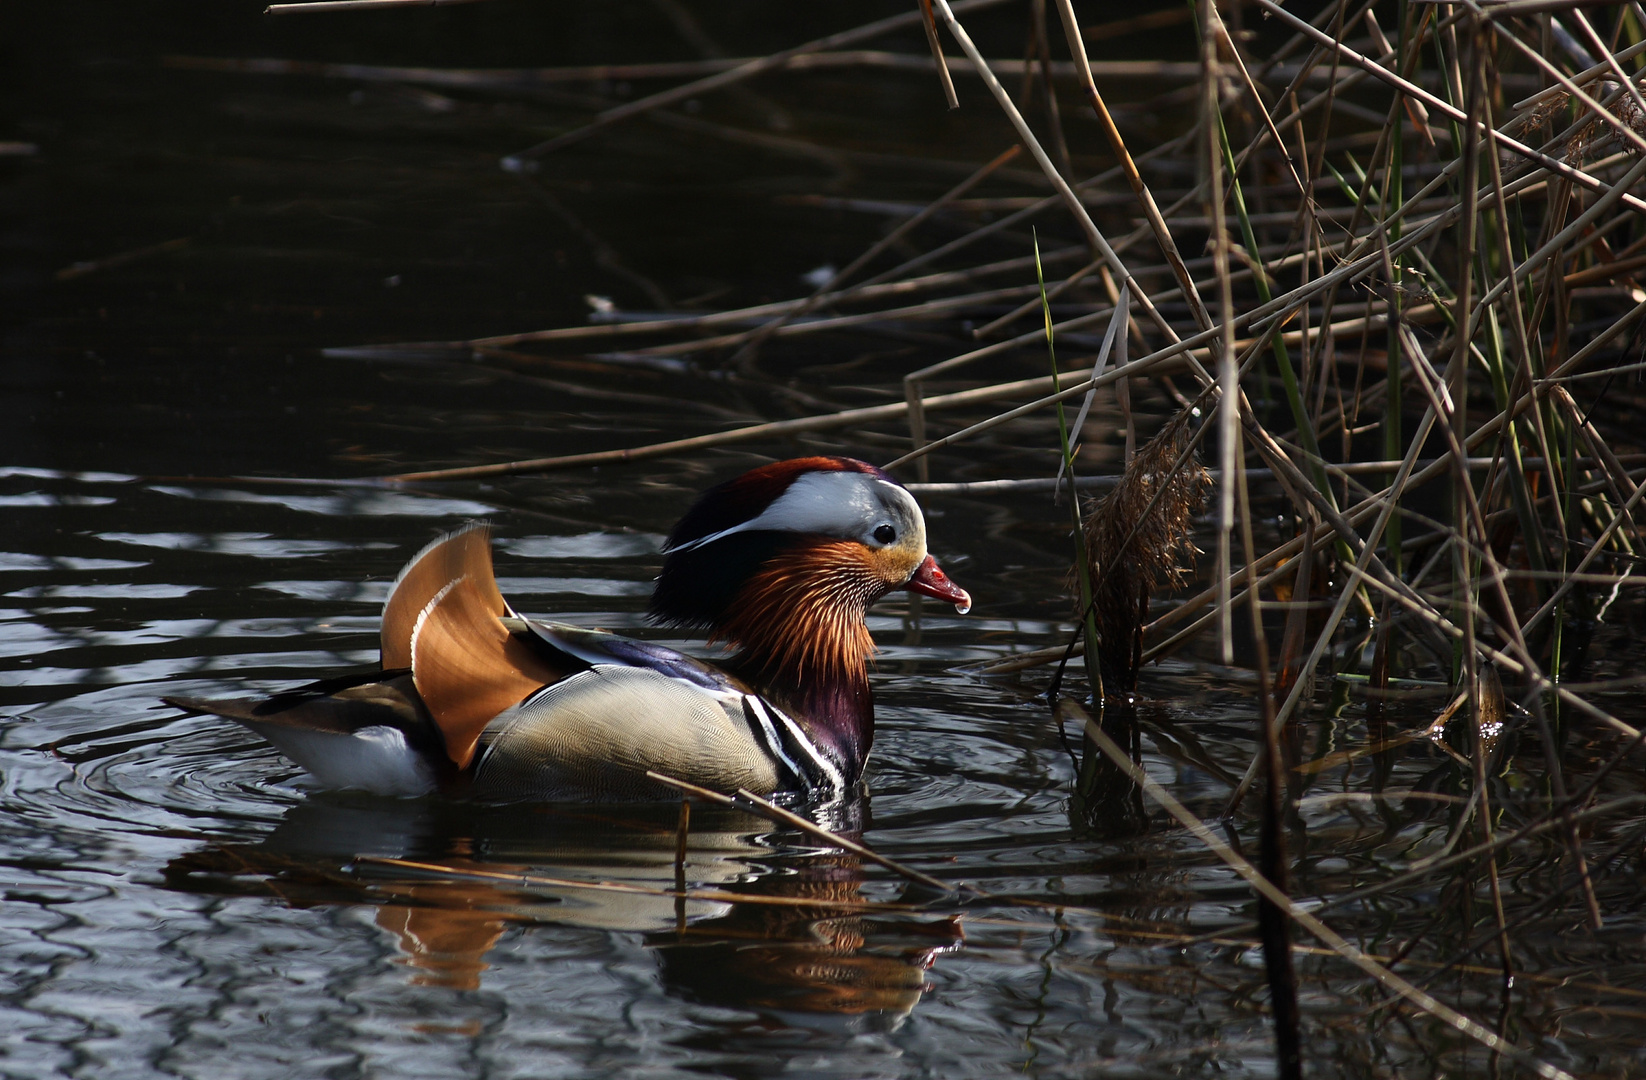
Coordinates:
[443,620]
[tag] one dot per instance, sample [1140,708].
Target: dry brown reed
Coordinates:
[1140,541]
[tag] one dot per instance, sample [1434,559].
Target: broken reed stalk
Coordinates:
[512,79]
[749,801]
[928,23]
[504,879]
[320,6]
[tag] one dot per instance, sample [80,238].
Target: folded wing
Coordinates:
[466,664]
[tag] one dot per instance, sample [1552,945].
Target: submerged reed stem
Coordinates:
[1088,620]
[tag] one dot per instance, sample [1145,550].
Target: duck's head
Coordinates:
[784,560]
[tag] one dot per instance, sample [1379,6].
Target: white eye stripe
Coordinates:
[845,504]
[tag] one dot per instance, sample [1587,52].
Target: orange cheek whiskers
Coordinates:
[803,618]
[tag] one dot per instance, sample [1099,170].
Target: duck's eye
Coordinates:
[885,534]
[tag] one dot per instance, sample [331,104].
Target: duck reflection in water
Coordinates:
[783,931]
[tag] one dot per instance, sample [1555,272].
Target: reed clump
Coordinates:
[1140,540]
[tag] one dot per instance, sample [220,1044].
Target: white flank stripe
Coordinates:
[835,779]
[774,745]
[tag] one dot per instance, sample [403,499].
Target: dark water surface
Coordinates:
[176,901]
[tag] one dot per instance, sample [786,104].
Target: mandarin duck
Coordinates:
[781,564]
